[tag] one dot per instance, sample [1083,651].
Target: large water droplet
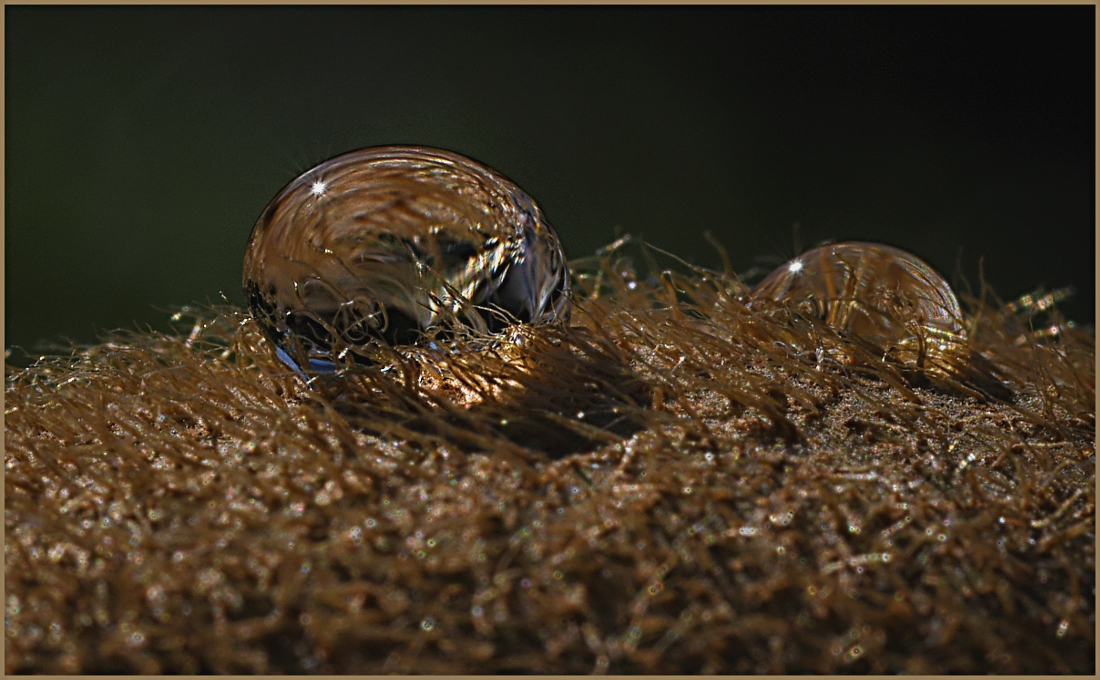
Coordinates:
[389,242]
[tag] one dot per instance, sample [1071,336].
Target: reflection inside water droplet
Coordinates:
[391,242]
[882,294]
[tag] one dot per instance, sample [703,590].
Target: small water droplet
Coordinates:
[882,294]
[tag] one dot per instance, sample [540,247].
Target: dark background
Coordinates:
[142,143]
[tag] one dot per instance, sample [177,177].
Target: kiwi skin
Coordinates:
[675,483]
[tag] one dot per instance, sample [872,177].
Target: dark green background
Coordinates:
[142,143]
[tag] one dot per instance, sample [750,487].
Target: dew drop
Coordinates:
[387,243]
[890,299]
[882,294]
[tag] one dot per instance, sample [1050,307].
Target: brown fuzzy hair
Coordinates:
[676,483]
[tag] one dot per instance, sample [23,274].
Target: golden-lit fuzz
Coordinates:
[390,243]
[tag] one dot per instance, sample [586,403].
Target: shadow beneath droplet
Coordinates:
[547,391]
